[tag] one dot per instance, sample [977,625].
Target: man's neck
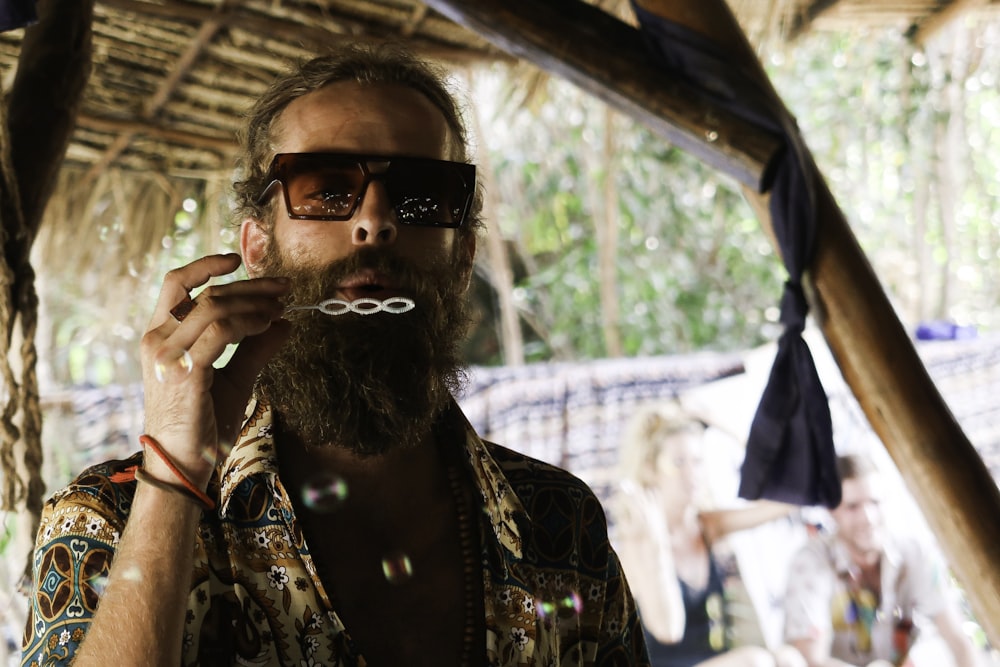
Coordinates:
[868,562]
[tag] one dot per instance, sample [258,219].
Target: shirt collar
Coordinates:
[842,563]
[254,455]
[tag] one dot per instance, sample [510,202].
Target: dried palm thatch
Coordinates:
[171,80]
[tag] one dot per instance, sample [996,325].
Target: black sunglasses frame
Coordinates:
[284,163]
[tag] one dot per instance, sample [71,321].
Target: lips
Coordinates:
[369,283]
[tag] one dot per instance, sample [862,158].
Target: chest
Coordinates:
[402,569]
[691,559]
[417,595]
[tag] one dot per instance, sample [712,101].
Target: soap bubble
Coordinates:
[324,493]
[173,367]
[397,568]
[564,605]
[98,582]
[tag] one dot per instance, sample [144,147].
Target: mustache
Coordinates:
[312,285]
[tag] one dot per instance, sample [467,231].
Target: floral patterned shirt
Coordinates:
[553,590]
[824,596]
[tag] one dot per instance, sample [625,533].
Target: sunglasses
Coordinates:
[330,186]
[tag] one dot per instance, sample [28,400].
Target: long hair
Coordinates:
[364,64]
[644,437]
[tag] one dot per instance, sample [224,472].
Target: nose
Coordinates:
[375,220]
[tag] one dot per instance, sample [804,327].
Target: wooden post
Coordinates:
[940,466]
[608,59]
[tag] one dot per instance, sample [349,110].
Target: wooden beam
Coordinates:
[804,19]
[164,91]
[181,67]
[412,23]
[941,468]
[152,129]
[309,36]
[942,18]
[607,58]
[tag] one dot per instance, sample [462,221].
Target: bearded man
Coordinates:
[319,499]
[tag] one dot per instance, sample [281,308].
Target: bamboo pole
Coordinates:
[940,466]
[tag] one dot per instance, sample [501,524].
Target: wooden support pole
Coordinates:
[52,72]
[942,18]
[607,58]
[942,469]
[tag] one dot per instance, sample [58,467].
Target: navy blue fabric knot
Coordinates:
[794,307]
[790,454]
[17,14]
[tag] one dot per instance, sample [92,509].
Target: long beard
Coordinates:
[369,383]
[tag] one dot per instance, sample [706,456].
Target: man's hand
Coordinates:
[192,407]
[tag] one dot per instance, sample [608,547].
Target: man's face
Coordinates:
[365,382]
[859,515]
[347,117]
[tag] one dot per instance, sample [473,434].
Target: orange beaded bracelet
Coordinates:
[149,443]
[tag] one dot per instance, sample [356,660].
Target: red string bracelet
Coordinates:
[150,443]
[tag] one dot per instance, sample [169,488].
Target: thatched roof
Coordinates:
[171,78]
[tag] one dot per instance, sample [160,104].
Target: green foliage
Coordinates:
[909,142]
[693,269]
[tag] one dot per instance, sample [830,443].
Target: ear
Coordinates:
[467,258]
[254,240]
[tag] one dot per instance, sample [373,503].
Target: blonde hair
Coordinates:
[644,437]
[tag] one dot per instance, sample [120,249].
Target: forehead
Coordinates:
[351,117]
[860,490]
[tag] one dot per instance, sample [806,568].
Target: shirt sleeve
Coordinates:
[76,541]
[624,644]
[808,594]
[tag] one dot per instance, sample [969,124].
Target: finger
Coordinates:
[180,281]
[266,288]
[222,319]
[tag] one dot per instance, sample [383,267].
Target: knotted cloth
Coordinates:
[790,454]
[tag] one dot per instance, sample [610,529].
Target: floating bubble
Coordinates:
[565,605]
[324,493]
[397,568]
[99,583]
[220,453]
[225,448]
[173,367]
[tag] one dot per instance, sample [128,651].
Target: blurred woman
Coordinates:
[665,544]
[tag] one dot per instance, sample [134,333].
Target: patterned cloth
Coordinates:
[823,593]
[256,598]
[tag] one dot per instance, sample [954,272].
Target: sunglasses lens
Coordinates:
[323,189]
[324,186]
[427,193]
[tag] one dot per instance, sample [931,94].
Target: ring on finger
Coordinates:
[183,308]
